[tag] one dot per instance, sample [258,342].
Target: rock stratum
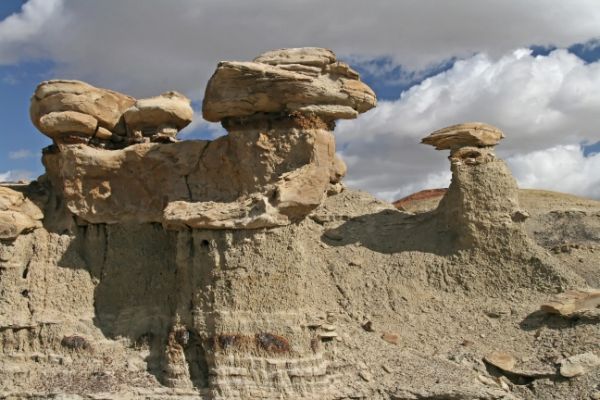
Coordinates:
[144,267]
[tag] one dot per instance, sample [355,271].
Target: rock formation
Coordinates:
[481,208]
[274,166]
[307,80]
[70,111]
[141,267]
[17,214]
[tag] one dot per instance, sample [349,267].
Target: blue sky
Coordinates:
[539,79]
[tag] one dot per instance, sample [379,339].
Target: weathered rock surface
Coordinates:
[579,364]
[314,56]
[268,174]
[308,80]
[17,214]
[165,115]
[154,274]
[105,106]
[75,112]
[472,134]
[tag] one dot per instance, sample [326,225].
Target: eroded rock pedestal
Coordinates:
[481,208]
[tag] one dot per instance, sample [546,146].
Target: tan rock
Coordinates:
[302,55]
[392,338]
[155,115]
[57,123]
[502,360]
[267,174]
[248,213]
[579,364]
[106,106]
[474,134]
[17,214]
[573,302]
[241,89]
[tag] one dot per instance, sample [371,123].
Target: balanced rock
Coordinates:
[105,106]
[472,134]
[72,112]
[307,80]
[163,115]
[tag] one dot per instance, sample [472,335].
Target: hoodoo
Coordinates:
[481,208]
[143,267]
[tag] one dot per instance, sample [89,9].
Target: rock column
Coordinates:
[481,207]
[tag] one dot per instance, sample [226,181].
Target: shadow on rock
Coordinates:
[391,231]
[541,319]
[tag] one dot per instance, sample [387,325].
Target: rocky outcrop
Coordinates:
[17,214]
[71,111]
[274,166]
[481,208]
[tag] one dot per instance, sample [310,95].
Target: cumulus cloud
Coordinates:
[144,47]
[21,33]
[538,101]
[16,175]
[20,154]
[560,168]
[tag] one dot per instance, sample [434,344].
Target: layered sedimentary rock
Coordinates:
[481,207]
[274,166]
[307,80]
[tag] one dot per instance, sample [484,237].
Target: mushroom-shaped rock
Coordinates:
[56,96]
[479,207]
[17,214]
[303,80]
[471,134]
[163,115]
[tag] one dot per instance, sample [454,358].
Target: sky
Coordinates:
[530,67]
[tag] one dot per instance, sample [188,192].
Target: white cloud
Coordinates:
[20,154]
[145,47]
[539,102]
[16,175]
[20,32]
[560,168]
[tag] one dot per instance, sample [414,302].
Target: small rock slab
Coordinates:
[579,364]
[502,360]
[475,134]
[573,302]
